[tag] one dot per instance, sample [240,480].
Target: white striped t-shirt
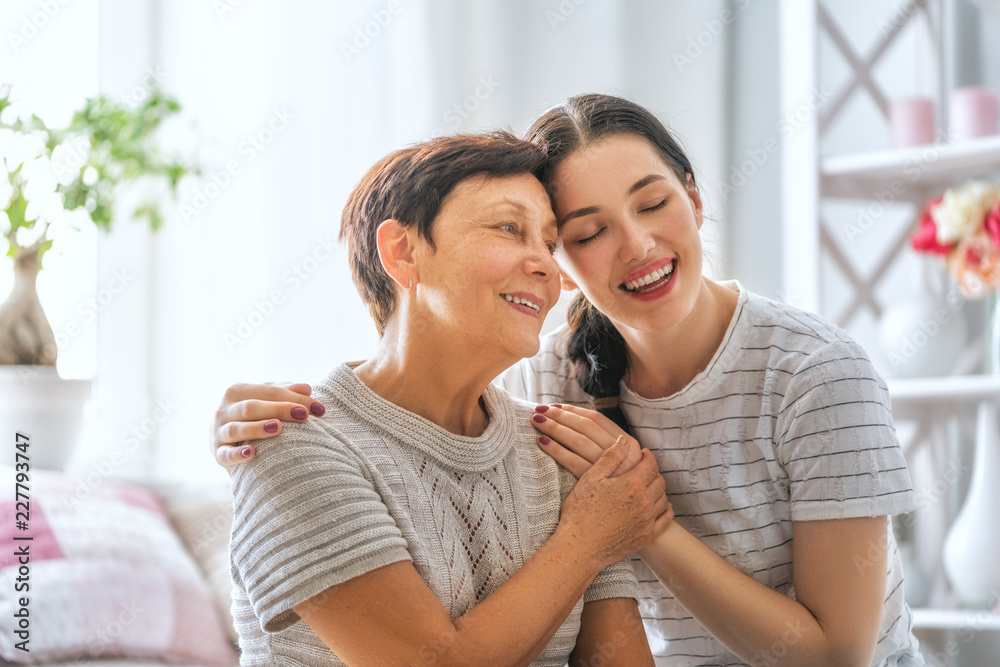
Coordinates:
[788,422]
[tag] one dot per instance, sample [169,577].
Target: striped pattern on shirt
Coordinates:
[370,484]
[788,422]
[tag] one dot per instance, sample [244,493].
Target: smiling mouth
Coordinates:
[519,301]
[651,281]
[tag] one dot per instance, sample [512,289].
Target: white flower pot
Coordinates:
[972,548]
[35,401]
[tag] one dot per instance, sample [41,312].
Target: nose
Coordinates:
[636,241]
[540,261]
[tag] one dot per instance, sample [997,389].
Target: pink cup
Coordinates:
[973,113]
[911,121]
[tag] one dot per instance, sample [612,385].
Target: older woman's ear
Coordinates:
[396,252]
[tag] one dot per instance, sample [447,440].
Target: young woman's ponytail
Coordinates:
[598,351]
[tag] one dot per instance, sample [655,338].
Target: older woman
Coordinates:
[416,521]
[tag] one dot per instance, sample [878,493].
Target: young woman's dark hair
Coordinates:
[595,346]
[411,185]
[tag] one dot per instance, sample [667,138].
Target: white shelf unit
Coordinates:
[922,172]
[956,619]
[856,176]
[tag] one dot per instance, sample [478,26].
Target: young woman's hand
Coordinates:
[254,412]
[576,437]
[615,516]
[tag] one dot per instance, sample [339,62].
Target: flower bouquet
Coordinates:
[963,226]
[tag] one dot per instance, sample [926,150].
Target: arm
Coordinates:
[839,572]
[390,616]
[387,614]
[611,633]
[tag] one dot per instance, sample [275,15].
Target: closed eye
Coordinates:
[591,238]
[656,207]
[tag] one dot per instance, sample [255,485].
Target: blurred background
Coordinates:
[812,185]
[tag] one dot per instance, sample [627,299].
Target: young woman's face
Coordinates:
[629,230]
[491,275]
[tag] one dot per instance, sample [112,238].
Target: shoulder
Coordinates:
[803,344]
[539,467]
[799,329]
[315,447]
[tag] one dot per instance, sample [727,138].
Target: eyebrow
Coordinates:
[518,207]
[643,182]
[589,210]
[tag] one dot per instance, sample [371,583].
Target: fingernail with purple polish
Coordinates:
[539,419]
[557,405]
[317,409]
[245,452]
[541,408]
[543,440]
[271,427]
[299,412]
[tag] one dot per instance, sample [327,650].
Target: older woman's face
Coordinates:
[492,277]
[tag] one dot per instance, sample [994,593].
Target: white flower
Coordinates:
[39,178]
[89,176]
[963,209]
[69,157]
[6,194]
[28,236]
[17,148]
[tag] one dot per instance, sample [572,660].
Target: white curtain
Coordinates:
[286,104]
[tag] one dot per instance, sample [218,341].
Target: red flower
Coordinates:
[925,239]
[992,224]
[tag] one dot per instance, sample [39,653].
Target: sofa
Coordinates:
[115,573]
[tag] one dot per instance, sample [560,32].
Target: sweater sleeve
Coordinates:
[307,516]
[836,440]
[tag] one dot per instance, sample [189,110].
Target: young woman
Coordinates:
[770,426]
[416,521]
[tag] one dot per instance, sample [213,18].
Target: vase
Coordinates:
[35,401]
[994,338]
[972,549]
[921,337]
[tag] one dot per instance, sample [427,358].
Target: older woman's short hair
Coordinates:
[410,186]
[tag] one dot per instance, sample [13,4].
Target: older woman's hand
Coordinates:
[576,437]
[616,516]
[255,412]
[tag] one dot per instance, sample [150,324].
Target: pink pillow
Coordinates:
[107,577]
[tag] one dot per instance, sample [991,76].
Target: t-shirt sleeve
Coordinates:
[836,440]
[306,516]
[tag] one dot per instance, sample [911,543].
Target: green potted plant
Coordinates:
[50,177]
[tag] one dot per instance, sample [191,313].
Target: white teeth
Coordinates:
[524,302]
[650,278]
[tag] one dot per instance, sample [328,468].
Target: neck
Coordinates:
[424,370]
[662,363]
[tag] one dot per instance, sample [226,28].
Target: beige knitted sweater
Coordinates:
[370,484]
